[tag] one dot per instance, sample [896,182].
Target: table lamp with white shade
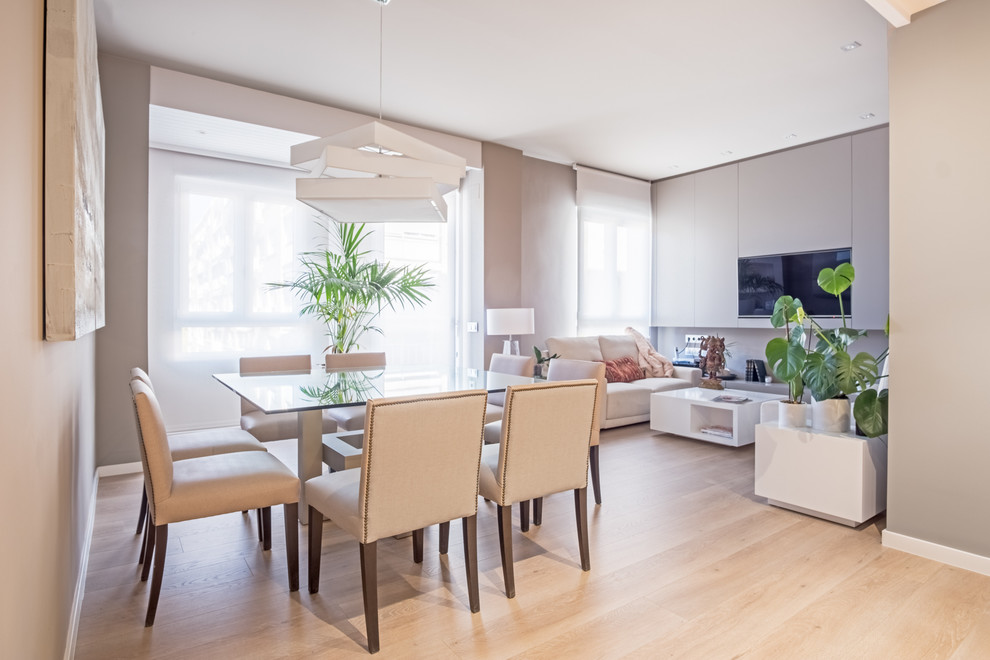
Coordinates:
[510,321]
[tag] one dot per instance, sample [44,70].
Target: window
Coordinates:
[614,243]
[614,272]
[232,240]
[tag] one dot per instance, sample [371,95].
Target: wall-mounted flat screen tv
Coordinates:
[764,279]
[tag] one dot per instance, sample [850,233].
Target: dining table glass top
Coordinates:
[319,389]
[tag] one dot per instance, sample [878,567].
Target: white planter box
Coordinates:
[840,477]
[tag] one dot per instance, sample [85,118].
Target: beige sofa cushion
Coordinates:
[576,348]
[614,347]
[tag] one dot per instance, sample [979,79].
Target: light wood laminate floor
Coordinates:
[686,563]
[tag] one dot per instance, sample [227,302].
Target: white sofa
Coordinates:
[625,403]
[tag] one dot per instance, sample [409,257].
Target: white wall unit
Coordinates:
[716,246]
[796,201]
[836,476]
[675,251]
[870,228]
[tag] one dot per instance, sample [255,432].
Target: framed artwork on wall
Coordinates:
[73,177]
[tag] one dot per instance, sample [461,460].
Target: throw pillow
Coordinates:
[623,370]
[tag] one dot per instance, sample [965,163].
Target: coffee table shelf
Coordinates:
[695,413]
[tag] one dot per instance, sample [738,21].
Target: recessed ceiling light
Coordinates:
[852,45]
[726,153]
[867,115]
[675,167]
[790,136]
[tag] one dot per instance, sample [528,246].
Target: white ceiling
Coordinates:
[647,88]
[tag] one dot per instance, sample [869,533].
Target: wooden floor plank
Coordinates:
[686,563]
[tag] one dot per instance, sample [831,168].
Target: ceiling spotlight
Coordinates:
[852,45]
[726,153]
[867,115]
[790,136]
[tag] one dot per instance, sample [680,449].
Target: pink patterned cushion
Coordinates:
[623,370]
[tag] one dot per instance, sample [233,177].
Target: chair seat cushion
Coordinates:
[224,483]
[493,432]
[336,496]
[209,442]
[278,426]
[493,413]
[488,483]
[347,418]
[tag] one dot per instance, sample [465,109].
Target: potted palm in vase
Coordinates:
[347,291]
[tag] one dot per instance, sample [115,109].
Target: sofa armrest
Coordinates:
[690,374]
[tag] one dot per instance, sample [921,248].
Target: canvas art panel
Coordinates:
[74,167]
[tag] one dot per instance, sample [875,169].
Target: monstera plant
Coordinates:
[828,369]
[347,290]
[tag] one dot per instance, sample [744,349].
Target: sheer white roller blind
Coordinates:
[614,242]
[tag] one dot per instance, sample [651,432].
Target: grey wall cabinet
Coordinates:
[828,195]
[716,245]
[871,228]
[674,251]
[796,201]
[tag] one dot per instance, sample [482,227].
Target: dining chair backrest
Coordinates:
[546,436]
[516,365]
[565,369]
[271,363]
[422,452]
[156,456]
[142,375]
[354,360]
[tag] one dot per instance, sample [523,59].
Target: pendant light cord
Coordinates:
[381,42]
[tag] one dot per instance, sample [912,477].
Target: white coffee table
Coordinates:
[697,413]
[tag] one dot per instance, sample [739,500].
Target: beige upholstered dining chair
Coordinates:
[277,426]
[543,449]
[562,369]
[194,444]
[559,370]
[206,486]
[350,418]
[515,365]
[419,468]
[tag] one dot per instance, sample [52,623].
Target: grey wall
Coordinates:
[123,342]
[938,488]
[549,249]
[47,392]
[503,233]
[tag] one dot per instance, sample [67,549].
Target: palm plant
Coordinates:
[347,291]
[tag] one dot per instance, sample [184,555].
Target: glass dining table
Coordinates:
[309,393]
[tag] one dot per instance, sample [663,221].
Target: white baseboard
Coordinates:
[120,468]
[941,553]
[77,600]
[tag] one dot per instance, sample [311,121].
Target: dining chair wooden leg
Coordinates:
[144,539]
[596,480]
[266,524]
[149,551]
[417,538]
[291,513]
[581,513]
[505,547]
[537,510]
[444,537]
[161,541]
[524,515]
[315,548]
[261,528]
[469,526]
[369,586]
[143,512]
